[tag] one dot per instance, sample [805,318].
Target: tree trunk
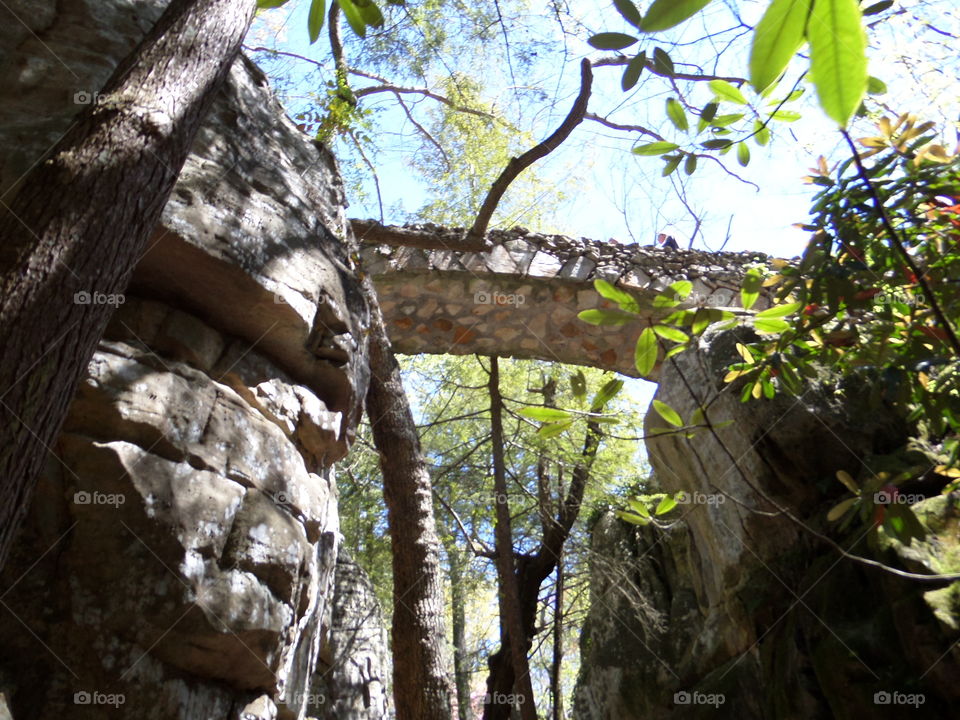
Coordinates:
[73,233]
[514,640]
[421,687]
[458,602]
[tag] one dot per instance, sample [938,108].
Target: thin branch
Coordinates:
[624,60]
[617,126]
[387,86]
[519,164]
[371,168]
[426,133]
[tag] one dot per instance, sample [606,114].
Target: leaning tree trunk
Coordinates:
[82,218]
[421,686]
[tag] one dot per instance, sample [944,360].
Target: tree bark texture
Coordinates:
[72,234]
[421,685]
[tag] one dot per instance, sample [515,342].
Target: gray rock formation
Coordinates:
[178,561]
[741,612]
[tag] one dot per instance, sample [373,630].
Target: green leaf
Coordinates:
[632,518]
[786,115]
[743,154]
[672,162]
[662,62]
[677,115]
[840,509]
[876,86]
[718,144]
[726,91]
[629,12]
[634,68]
[605,394]
[750,289]
[604,316]
[578,384]
[701,320]
[625,300]
[761,133]
[690,164]
[370,12]
[665,301]
[612,41]
[776,39]
[838,60]
[671,333]
[668,413]
[771,325]
[318,11]
[268,4]
[721,121]
[878,7]
[645,355]
[639,507]
[354,18]
[664,14]
[545,414]
[780,310]
[665,505]
[661,147]
[682,288]
[553,429]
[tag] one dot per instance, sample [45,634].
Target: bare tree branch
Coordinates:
[617,126]
[519,164]
[648,65]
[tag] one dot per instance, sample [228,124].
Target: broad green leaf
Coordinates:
[612,41]
[701,320]
[625,300]
[743,154]
[553,429]
[776,39]
[605,394]
[878,7]
[645,355]
[761,133]
[370,12]
[665,301]
[682,288]
[662,62]
[674,351]
[779,310]
[354,17]
[545,414]
[629,12]
[786,115]
[604,316]
[664,14]
[318,11]
[839,510]
[717,144]
[750,289]
[632,74]
[726,91]
[722,121]
[838,60]
[745,353]
[671,333]
[632,518]
[661,147]
[677,115]
[639,507]
[668,413]
[876,86]
[771,325]
[708,113]
[690,164]
[665,505]
[848,482]
[268,4]
[672,162]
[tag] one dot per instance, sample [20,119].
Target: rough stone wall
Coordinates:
[521,298]
[179,556]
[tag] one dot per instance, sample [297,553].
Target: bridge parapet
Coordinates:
[521,297]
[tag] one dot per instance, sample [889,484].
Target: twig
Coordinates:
[371,168]
[519,164]
[617,126]
[898,244]
[648,65]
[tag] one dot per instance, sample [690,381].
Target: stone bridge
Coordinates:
[521,297]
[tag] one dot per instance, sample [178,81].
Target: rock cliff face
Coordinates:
[735,606]
[179,557]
